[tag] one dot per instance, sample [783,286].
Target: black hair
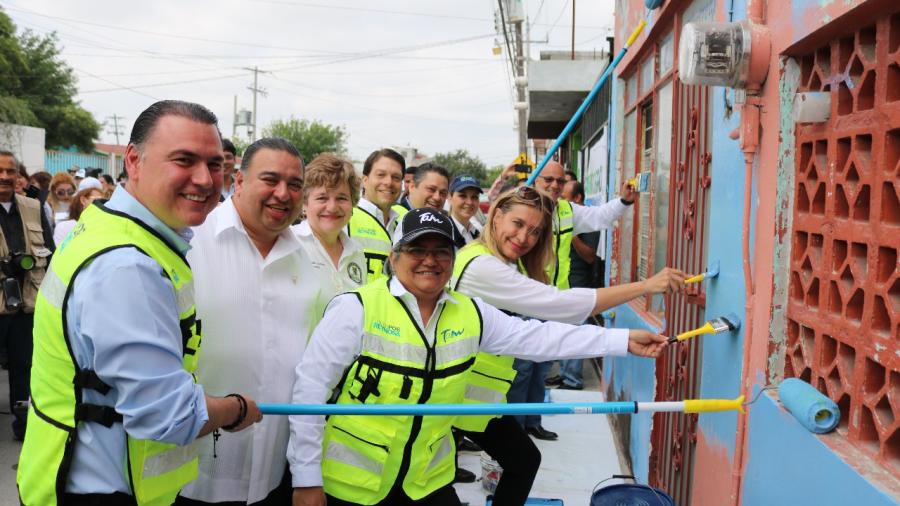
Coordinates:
[427,167]
[384,152]
[227,145]
[274,143]
[573,174]
[577,189]
[6,152]
[411,170]
[149,118]
[108,179]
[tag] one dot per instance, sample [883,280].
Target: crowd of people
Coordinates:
[180,298]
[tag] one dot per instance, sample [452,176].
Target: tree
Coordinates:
[461,162]
[310,137]
[38,89]
[493,173]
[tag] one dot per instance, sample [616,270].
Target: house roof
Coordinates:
[110,148]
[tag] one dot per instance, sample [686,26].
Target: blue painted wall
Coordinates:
[788,465]
[633,378]
[61,161]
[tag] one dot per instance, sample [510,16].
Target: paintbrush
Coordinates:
[711,272]
[640,182]
[718,325]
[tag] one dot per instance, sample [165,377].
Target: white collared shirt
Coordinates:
[349,274]
[255,315]
[501,285]
[595,218]
[367,205]
[465,231]
[337,341]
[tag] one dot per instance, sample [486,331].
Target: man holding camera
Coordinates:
[25,248]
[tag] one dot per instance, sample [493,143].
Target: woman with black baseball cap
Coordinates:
[408,339]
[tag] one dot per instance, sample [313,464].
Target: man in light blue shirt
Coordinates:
[122,316]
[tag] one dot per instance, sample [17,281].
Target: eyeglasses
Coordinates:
[64,193]
[419,254]
[550,179]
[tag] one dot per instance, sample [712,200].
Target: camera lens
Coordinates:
[26,262]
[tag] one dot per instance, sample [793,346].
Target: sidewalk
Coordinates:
[583,455]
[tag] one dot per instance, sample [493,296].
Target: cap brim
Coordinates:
[412,236]
[469,186]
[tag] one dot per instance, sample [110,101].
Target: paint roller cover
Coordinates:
[813,410]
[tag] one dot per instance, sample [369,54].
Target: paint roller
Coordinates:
[816,412]
[727,323]
[711,272]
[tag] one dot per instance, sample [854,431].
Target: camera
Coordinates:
[12,266]
[15,264]
[522,170]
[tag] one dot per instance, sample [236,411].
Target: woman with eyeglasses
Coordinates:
[507,268]
[408,339]
[62,189]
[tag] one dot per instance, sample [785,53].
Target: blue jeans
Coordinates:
[528,387]
[570,371]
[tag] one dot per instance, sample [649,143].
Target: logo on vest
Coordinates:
[355,272]
[451,333]
[391,330]
[430,217]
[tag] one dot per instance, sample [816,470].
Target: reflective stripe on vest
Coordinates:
[374,240]
[490,373]
[156,471]
[343,453]
[364,457]
[558,271]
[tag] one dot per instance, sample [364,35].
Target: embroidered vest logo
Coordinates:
[451,333]
[392,330]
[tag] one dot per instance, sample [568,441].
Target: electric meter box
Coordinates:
[716,54]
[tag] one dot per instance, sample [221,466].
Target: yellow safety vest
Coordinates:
[491,375]
[374,239]
[155,471]
[364,457]
[558,271]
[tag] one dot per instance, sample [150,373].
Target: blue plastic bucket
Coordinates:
[627,494]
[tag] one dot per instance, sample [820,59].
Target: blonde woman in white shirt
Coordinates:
[330,191]
[513,278]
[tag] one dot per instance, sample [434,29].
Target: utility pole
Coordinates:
[234,120]
[520,87]
[573,29]
[256,90]
[115,131]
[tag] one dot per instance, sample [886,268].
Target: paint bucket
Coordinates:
[490,473]
[630,494]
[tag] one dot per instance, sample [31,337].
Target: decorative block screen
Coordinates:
[843,328]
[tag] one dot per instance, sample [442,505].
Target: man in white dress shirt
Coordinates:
[255,293]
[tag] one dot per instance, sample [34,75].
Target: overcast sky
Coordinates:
[418,73]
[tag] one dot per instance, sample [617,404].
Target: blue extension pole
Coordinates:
[451,409]
[584,105]
[538,408]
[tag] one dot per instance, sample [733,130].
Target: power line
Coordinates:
[561,12]
[509,50]
[386,11]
